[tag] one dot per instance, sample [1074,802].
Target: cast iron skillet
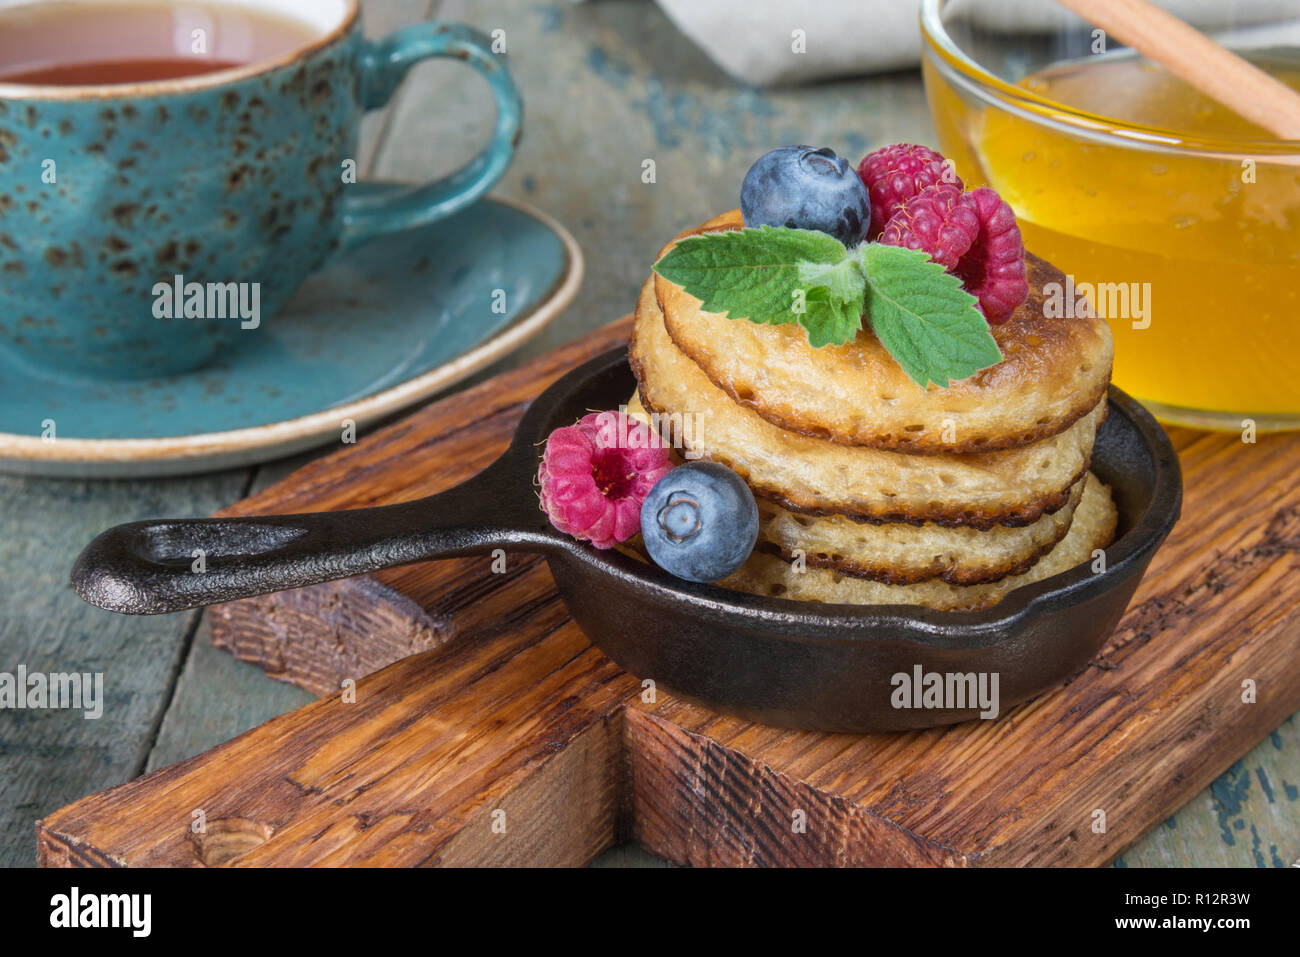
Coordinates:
[796,664]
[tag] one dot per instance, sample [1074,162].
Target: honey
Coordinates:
[1194,246]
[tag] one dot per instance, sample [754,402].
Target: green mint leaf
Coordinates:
[833,301]
[918,310]
[829,319]
[923,317]
[843,280]
[749,273]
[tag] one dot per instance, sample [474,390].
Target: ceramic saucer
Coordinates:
[381,327]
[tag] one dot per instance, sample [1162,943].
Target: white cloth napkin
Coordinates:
[755,40]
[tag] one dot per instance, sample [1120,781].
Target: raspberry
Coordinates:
[940,220]
[595,475]
[993,271]
[894,174]
[974,236]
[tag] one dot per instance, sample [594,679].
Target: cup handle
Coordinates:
[370,213]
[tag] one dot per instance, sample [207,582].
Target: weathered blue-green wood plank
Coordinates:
[1250,816]
[217,697]
[51,757]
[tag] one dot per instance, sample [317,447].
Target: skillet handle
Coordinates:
[146,568]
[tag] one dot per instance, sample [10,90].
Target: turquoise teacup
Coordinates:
[144,226]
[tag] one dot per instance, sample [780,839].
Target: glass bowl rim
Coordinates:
[1043,110]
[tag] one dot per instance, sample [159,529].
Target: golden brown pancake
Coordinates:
[901,554]
[815,477]
[1054,373]
[1093,527]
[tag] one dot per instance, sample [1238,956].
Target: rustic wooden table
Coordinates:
[607,85]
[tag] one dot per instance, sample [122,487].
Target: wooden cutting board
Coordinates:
[476,725]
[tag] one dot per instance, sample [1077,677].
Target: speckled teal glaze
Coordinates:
[429,290]
[238,181]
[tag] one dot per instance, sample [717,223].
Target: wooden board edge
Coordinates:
[793,824]
[55,848]
[319,636]
[581,783]
[1232,732]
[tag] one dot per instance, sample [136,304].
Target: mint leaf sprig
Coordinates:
[918,310]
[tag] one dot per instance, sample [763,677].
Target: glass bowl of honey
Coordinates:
[1172,217]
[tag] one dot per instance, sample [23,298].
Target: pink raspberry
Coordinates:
[894,174]
[940,220]
[993,271]
[595,475]
[974,236]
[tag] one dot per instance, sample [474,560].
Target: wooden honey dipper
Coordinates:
[1195,58]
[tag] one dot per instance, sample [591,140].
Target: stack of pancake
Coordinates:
[872,490]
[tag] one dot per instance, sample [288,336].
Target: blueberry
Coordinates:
[700,522]
[806,188]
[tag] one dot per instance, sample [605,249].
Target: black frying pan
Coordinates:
[797,664]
